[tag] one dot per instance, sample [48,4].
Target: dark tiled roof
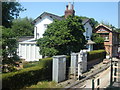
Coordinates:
[53,16]
[25,38]
[85,21]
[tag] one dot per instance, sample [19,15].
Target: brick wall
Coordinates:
[110,45]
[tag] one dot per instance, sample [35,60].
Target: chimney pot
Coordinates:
[66,7]
[69,10]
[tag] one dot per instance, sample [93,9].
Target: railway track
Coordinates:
[81,83]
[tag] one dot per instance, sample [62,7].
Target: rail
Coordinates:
[88,77]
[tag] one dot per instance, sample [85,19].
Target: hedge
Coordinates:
[31,75]
[96,54]
[28,76]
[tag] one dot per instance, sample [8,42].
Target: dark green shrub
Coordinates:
[96,54]
[47,63]
[28,76]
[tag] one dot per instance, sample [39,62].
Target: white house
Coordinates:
[27,48]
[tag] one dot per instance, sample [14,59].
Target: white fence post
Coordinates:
[59,68]
[73,63]
[82,62]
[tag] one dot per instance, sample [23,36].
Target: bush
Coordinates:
[30,64]
[28,76]
[96,54]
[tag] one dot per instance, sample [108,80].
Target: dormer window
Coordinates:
[45,25]
[50,16]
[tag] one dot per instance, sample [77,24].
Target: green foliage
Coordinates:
[28,76]
[93,21]
[97,39]
[31,75]
[10,10]
[96,54]
[9,49]
[9,44]
[30,64]
[23,27]
[118,30]
[62,37]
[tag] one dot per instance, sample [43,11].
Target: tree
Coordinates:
[118,30]
[98,40]
[93,21]
[10,11]
[23,27]
[9,47]
[63,37]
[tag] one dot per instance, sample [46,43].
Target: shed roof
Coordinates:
[24,38]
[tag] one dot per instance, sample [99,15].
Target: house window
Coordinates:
[87,36]
[102,29]
[105,36]
[37,34]
[45,25]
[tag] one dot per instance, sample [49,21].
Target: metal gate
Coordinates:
[115,71]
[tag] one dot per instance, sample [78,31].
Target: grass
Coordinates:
[45,84]
[30,64]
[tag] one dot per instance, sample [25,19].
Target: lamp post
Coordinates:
[111,73]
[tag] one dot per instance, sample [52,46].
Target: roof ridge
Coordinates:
[52,14]
[104,26]
[59,17]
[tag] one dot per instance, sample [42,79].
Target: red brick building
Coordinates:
[111,39]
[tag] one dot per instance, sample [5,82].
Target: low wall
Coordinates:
[90,64]
[94,57]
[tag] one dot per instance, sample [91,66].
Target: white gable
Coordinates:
[41,25]
[88,31]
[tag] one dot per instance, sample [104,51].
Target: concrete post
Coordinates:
[59,68]
[73,64]
[82,62]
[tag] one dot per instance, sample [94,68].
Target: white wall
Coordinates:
[40,26]
[90,47]
[88,31]
[29,52]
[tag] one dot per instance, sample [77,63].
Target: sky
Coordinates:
[100,11]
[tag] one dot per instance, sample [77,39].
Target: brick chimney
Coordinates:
[69,10]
